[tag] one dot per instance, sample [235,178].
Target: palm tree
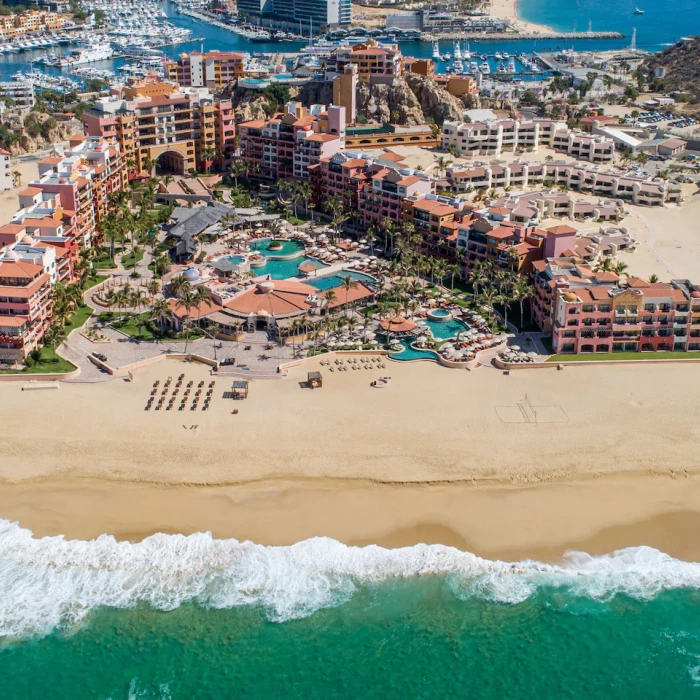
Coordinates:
[236,169]
[187,299]
[478,276]
[330,298]
[653,279]
[17,177]
[441,164]
[604,265]
[522,290]
[160,312]
[208,155]
[620,269]
[348,283]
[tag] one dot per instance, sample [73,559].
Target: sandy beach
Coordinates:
[529,464]
[508,9]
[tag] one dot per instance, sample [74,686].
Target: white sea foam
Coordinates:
[51,582]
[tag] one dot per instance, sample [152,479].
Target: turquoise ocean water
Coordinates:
[192,617]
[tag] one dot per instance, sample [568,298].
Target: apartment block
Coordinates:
[644,191]
[494,137]
[21,91]
[288,144]
[30,22]
[295,13]
[180,130]
[387,186]
[25,307]
[213,69]
[637,316]
[376,63]
[69,197]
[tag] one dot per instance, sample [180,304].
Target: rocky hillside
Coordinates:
[411,100]
[34,132]
[682,64]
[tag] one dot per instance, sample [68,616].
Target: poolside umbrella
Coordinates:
[515,347]
[533,355]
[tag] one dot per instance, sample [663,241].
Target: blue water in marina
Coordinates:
[661,25]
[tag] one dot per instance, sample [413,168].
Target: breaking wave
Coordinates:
[51,582]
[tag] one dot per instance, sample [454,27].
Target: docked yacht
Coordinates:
[459,66]
[90,54]
[485,68]
[436,51]
[457,51]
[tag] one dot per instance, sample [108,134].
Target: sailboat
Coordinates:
[467,54]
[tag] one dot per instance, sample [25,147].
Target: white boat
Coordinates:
[467,54]
[498,56]
[474,67]
[506,55]
[447,57]
[91,54]
[511,65]
[637,11]
[436,51]
[485,68]
[457,52]
[459,66]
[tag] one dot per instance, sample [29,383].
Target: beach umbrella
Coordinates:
[532,355]
[515,347]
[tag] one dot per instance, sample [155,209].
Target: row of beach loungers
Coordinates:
[189,391]
[364,363]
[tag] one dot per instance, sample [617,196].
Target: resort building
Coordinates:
[268,305]
[494,137]
[436,219]
[25,307]
[213,69]
[634,317]
[345,91]
[386,187]
[376,63]
[644,191]
[70,195]
[510,245]
[287,145]
[180,130]
[531,207]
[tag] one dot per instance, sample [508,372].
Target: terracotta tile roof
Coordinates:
[204,309]
[561,230]
[19,269]
[283,298]
[30,192]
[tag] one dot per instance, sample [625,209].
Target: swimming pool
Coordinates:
[262,246]
[409,353]
[284,269]
[442,330]
[332,281]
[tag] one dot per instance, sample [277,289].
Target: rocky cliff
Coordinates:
[35,132]
[408,101]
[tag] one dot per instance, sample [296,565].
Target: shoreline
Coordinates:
[508,9]
[507,467]
[497,522]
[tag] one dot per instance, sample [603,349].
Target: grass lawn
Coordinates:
[641,356]
[104,264]
[50,363]
[129,325]
[90,282]
[130,260]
